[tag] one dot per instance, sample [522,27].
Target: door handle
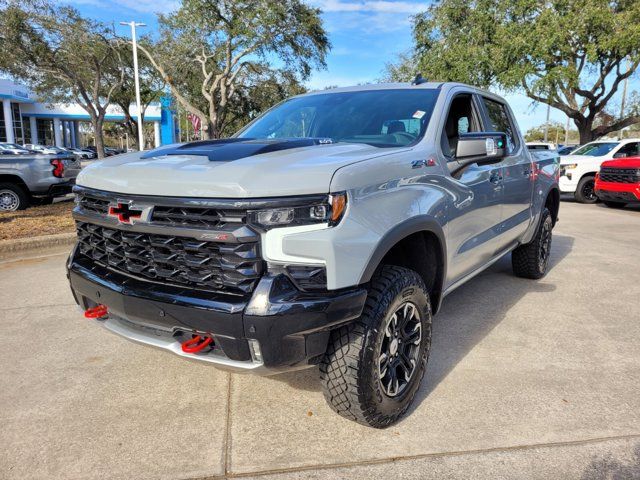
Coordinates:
[495,178]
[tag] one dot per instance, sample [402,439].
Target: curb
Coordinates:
[26,245]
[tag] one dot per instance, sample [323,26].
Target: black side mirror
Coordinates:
[479,147]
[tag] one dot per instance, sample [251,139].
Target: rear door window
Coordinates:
[628,150]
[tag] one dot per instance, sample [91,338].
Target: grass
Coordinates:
[37,221]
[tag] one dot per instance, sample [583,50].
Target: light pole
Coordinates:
[133,26]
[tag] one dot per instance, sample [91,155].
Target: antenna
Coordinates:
[418,80]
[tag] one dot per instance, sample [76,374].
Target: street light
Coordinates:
[133,26]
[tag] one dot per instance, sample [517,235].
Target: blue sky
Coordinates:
[365,35]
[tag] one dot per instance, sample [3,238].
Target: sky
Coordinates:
[365,36]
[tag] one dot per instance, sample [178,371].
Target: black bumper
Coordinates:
[291,327]
[617,196]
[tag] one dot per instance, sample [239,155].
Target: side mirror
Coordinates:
[479,147]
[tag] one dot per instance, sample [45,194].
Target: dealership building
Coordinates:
[23,119]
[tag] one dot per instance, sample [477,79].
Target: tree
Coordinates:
[62,56]
[556,134]
[570,54]
[214,48]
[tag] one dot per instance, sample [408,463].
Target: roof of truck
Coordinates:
[400,85]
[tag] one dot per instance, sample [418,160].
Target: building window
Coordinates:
[45,131]
[3,131]
[18,131]
[26,125]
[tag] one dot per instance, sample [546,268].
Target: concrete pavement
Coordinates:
[526,379]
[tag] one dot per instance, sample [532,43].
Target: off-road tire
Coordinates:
[584,189]
[20,197]
[614,204]
[349,371]
[527,259]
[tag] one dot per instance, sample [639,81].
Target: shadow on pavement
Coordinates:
[610,468]
[466,317]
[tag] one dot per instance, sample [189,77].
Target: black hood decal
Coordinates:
[229,149]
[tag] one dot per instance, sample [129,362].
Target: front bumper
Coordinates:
[618,192]
[568,185]
[278,328]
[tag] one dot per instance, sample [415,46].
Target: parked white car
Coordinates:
[578,169]
[48,149]
[540,146]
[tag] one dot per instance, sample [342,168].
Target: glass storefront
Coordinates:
[18,130]
[45,131]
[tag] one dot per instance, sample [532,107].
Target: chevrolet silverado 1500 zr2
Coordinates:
[326,232]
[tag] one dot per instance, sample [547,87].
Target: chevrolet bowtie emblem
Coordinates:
[124,213]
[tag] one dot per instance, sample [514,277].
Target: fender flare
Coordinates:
[419,223]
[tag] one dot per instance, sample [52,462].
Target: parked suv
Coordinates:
[578,169]
[618,182]
[326,232]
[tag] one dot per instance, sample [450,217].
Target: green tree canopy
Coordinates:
[211,52]
[61,56]
[570,54]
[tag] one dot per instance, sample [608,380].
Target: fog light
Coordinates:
[254,348]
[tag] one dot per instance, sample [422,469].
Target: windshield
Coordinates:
[595,149]
[384,118]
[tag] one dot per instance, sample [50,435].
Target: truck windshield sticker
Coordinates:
[419,114]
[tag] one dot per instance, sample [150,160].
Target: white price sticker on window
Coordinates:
[419,114]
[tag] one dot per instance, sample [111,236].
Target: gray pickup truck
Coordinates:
[326,232]
[27,178]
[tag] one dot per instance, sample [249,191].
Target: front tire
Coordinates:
[532,259]
[373,366]
[585,192]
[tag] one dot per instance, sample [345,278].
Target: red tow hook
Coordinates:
[98,311]
[196,344]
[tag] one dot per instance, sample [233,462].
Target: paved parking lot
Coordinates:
[526,379]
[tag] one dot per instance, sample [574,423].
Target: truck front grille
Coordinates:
[174,260]
[620,175]
[196,217]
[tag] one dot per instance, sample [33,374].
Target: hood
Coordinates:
[233,168]
[628,162]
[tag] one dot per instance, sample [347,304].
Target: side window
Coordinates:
[628,150]
[461,118]
[500,122]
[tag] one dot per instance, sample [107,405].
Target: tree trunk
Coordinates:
[211,132]
[585,130]
[99,135]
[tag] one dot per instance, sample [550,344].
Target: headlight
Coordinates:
[570,166]
[329,211]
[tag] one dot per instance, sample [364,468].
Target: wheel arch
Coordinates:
[552,202]
[15,179]
[417,243]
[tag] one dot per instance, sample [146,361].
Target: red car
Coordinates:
[618,182]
